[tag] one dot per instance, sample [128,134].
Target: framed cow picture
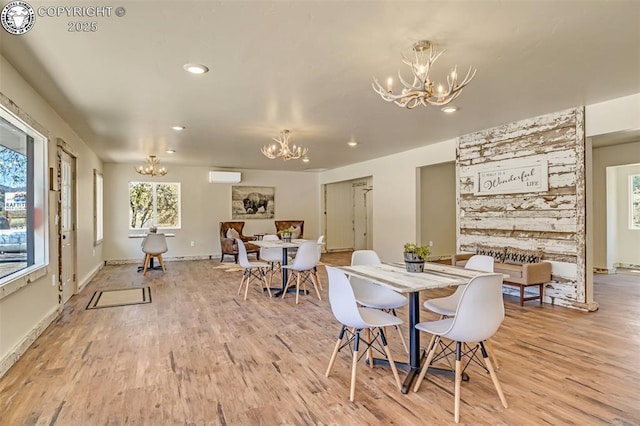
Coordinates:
[253,202]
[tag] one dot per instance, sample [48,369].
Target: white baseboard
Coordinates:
[165,259]
[89,277]
[18,350]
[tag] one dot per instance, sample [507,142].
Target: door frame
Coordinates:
[62,146]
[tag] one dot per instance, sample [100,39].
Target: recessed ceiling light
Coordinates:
[352,143]
[196,68]
[178,128]
[170,151]
[305,160]
[449,109]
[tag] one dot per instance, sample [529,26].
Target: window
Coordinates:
[98,218]
[154,204]
[634,201]
[23,224]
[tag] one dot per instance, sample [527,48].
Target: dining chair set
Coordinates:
[301,269]
[468,318]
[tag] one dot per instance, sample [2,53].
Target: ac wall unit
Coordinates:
[224,177]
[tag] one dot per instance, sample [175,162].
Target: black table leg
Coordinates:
[284,271]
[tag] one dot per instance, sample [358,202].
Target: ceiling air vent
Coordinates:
[224,177]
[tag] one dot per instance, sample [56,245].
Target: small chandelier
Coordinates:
[152,167]
[422,91]
[283,151]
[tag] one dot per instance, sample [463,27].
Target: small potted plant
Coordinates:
[415,256]
[285,234]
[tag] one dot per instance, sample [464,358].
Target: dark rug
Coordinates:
[121,297]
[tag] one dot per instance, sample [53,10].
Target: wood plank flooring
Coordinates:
[200,355]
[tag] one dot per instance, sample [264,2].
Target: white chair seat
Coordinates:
[378,297]
[377,318]
[445,306]
[435,327]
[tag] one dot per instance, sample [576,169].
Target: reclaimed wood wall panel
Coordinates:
[554,219]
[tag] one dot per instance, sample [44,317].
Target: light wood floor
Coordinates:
[201,355]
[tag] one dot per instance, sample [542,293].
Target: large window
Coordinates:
[98,218]
[154,204]
[23,224]
[634,201]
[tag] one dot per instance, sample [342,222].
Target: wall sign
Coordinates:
[513,179]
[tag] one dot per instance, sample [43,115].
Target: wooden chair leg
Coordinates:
[335,350]
[247,281]
[392,363]
[147,259]
[264,279]
[241,282]
[161,263]
[430,356]
[314,280]
[354,366]
[369,349]
[297,286]
[458,382]
[492,353]
[494,377]
[286,287]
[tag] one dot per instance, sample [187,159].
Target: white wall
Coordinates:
[204,206]
[627,241]
[25,313]
[395,179]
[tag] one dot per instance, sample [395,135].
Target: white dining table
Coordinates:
[285,246]
[395,277]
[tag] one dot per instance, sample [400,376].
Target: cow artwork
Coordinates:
[252,202]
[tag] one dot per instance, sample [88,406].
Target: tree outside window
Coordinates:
[634,201]
[154,204]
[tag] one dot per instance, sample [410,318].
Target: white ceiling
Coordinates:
[308,66]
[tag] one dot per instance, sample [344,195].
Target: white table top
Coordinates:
[396,277]
[144,235]
[279,243]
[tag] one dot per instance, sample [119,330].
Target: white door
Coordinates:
[68,225]
[360,216]
[339,216]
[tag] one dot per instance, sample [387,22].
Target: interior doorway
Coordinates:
[348,215]
[67,223]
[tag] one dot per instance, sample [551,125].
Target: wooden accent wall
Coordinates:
[554,219]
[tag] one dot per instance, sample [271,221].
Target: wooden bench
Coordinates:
[521,276]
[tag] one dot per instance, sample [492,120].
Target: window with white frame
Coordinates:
[634,201]
[98,218]
[154,204]
[23,191]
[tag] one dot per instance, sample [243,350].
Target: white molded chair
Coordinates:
[273,256]
[251,270]
[303,268]
[373,295]
[478,316]
[315,269]
[154,245]
[446,306]
[345,308]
